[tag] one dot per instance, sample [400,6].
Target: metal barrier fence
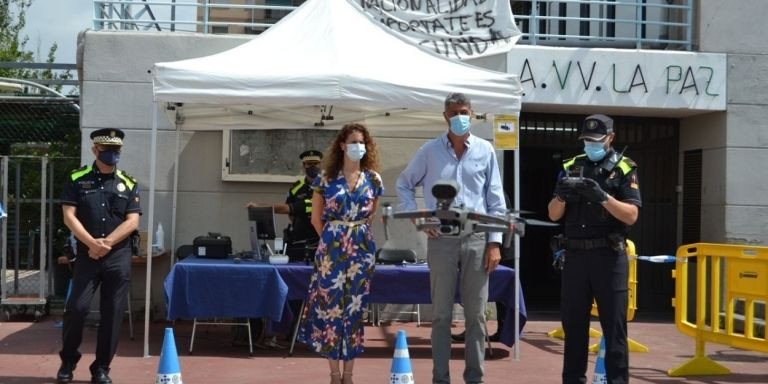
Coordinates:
[729,298]
[648,24]
[27,250]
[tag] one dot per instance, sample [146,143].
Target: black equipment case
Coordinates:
[214,245]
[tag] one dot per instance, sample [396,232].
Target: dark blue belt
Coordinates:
[586,244]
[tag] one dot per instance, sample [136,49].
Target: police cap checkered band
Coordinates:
[596,128]
[311,155]
[108,136]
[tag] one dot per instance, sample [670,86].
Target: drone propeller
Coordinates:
[520,212]
[540,223]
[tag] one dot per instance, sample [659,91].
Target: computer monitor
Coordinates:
[261,221]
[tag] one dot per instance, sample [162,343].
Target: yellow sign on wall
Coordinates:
[506,131]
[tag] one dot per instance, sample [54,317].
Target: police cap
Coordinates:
[311,155]
[596,128]
[108,136]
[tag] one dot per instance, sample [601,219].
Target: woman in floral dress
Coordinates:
[343,206]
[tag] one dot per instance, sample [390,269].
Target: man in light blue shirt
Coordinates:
[471,162]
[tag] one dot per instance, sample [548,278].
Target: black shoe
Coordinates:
[495,337]
[100,377]
[65,373]
[458,338]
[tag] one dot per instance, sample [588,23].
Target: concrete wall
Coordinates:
[734,143]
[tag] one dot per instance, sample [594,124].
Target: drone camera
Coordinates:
[445,191]
[449,227]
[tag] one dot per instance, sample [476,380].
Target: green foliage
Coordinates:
[13,19]
[12,44]
[48,74]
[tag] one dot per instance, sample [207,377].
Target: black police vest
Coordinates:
[585,219]
[300,198]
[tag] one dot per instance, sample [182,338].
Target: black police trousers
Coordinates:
[112,273]
[600,273]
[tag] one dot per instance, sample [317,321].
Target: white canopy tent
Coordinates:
[326,53]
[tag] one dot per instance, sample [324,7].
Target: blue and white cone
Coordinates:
[599,377]
[401,372]
[169,372]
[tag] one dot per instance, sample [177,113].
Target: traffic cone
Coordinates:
[401,372]
[599,376]
[169,372]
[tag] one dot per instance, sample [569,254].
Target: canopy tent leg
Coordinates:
[150,226]
[517,256]
[175,194]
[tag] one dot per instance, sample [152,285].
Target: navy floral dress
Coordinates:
[332,322]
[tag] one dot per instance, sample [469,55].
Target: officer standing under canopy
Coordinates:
[300,235]
[100,204]
[598,195]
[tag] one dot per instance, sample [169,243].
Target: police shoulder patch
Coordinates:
[129,177]
[83,168]
[80,172]
[629,162]
[568,163]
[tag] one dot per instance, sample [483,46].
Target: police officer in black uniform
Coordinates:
[598,195]
[300,236]
[100,204]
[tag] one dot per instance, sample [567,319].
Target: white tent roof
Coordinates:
[326,53]
[329,52]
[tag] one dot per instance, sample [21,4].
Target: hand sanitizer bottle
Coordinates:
[159,238]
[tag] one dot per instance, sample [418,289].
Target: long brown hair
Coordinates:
[334,156]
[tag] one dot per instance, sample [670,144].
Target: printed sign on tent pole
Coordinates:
[506,131]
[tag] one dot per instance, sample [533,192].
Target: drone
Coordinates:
[458,221]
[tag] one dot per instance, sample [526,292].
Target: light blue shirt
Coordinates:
[476,173]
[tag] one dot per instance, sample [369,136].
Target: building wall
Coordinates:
[734,143]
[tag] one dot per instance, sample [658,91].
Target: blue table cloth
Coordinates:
[410,285]
[205,288]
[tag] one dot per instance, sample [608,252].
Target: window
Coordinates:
[274,15]
[219,29]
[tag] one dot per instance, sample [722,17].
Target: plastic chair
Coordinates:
[395,257]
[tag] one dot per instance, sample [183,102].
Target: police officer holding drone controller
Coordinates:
[598,197]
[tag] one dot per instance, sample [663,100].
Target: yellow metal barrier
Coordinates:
[633,345]
[730,301]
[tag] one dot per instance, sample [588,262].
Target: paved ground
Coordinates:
[28,354]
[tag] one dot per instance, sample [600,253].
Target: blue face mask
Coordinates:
[109,156]
[355,151]
[312,171]
[460,124]
[595,150]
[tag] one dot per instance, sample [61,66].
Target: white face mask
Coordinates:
[355,151]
